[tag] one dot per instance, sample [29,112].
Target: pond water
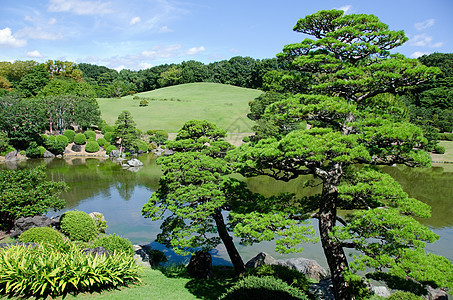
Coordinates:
[102,185]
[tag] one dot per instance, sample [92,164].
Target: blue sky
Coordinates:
[138,34]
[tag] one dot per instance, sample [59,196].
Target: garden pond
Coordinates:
[98,184]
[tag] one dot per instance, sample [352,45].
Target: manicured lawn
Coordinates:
[170,107]
[447,156]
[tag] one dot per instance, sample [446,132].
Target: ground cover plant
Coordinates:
[225,105]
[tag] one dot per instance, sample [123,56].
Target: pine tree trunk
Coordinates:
[227,240]
[333,251]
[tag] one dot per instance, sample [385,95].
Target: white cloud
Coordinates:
[195,50]
[165,29]
[34,54]
[417,54]
[424,40]
[425,24]
[8,40]
[37,33]
[119,68]
[145,65]
[135,20]
[80,7]
[52,21]
[344,8]
[162,52]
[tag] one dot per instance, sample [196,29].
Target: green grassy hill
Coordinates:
[170,107]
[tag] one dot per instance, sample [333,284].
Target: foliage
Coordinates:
[33,151]
[400,295]
[292,277]
[157,136]
[101,141]
[41,235]
[4,141]
[108,136]
[56,147]
[107,128]
[110,148]
[62,139]
[80,139]
[92,146]
[439,149]
[144,102]
[141,145]
[70,134]
[267,287]
[78,226]
[126,130]
[27,193]
[156,257]
[114,243]
[446,136]
[347,124]
[46,271]
[90,134]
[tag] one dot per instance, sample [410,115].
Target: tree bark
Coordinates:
[333,250]
[227,240]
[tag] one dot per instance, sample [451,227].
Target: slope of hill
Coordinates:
[168,108]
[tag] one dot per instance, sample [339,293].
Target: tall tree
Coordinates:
[348,124]
[194,191]
[125,130]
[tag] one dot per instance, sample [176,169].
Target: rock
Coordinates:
[261,259]
[48,154]
[167,152]
[59,156]
[436,294]
[200,265]
[380,291]
[66,151]
[11,156]
[114,153]
[97,251]
[24,223]
[306,266]
[76,148]
[98,217]
[140,151]
[134,163]
[322,290]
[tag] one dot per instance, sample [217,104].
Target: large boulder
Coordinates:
[306,266]
[134,163]
[381,291]
[11,156]
[76,148]
[261,259]
[48,154]
[436,294]
[24,223]
[114,153]
[200,265]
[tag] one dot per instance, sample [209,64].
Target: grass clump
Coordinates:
[78,226]
[41,235]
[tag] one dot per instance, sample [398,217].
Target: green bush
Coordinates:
[90,134]
[42,150]
[268,287]
[92,146]
[290,276]
[141,145]
[108,136]
[7,150]
[41,235]
[114,243]
[110,148]
[50,138]
[102,141]
[400,295]
[80,139]
[445,136]
[78,226]
[70,134]
[44,138]
[157,136]
[56,147]
[33,150]
[107,128]
[439,149]
[46,271]
[22,152]
[143,103]
[246,139]
[62,139]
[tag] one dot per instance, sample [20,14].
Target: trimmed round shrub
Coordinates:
[108,136]
[439,149]
[70,134]
[78,226]
[90,134]
[101,141]
[268,287]
[62,139]
[50,138]
[92,146]
[114,243]
[107,128]
[41,235]
[142,145]
[56,147]
[110,148]
[400,295]
[158,136]
[246,139]
[80,139]
[290,276]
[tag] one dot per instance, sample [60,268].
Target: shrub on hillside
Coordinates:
[114,243]
[69,133]
[51,272]
[90,134]
[143,103]
[92,146]
[80,139]
[41,235]
[101,141]
[263,288]
[78,226]
[439,149]
[63,139]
